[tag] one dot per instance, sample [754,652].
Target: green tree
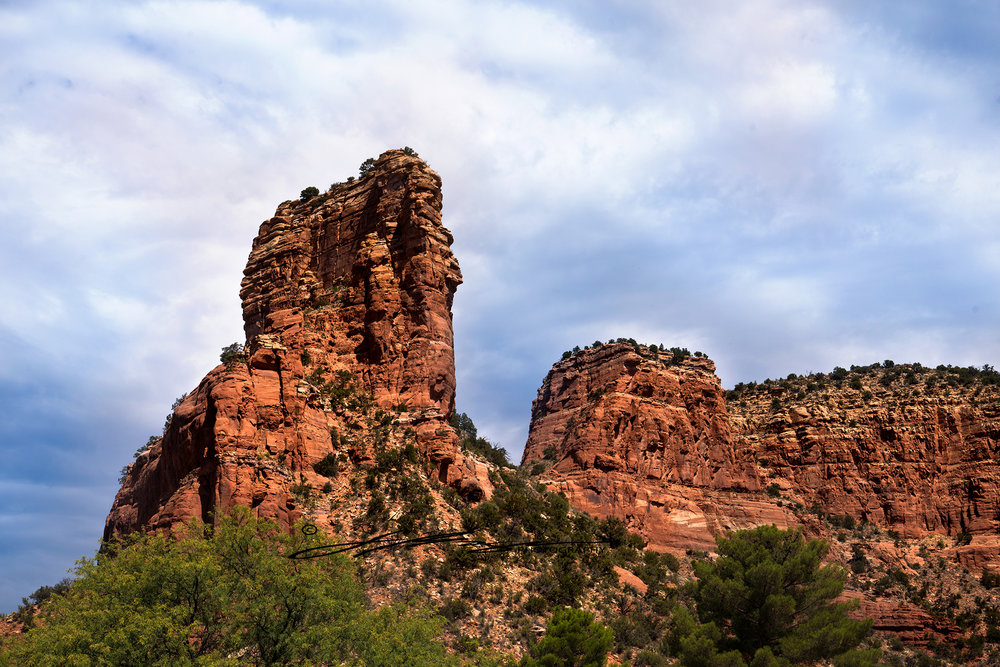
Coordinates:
[309,193]
[768,600]
[572,639]
[231,354]
[366,167]
[223,595]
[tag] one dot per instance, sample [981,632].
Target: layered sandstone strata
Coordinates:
[347,309]
[649,437]
[643,436]
[887,446]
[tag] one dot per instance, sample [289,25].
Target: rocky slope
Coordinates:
[895,465]
[347,309]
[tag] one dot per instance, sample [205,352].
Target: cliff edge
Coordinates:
[349,349]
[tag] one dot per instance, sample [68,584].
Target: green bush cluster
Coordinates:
[217,594]
[767,600]
[469,440]
[25,613]
[572,637]
[231,354]
[887,374]
[328,466]
[676,354]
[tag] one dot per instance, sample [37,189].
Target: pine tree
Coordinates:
[769,600]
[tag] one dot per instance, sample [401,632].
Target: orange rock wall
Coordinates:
[631,435]
[914,462]
[359,279]
[654,443]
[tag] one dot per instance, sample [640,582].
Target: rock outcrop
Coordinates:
[880,446]
[649,437]
[899,452]
[347,309]
[910,623]
[646,437]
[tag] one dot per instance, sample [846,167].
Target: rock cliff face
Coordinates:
[899,447]
[347,308]
[651,440]
[646,438]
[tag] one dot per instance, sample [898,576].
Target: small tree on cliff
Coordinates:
[768,600]
[230,355]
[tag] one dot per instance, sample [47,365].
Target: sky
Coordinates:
[786,186]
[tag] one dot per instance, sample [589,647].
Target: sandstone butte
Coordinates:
[650,438]
[347,299]
[349,346]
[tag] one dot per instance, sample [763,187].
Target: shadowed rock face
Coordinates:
[358,280]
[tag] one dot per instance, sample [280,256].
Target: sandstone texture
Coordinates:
[649,437]
[347,308]
[910,623]
[898,454]
[638,435]
[896,465]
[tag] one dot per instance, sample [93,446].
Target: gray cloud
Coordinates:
[784,186]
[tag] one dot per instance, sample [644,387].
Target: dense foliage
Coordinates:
[223,596]
[572,639]
[667,356]
[231,354]
[885,375]
[768,600]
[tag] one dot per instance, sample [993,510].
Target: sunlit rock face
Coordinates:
[347,301]
[904,457]
[649,438]
[646,438]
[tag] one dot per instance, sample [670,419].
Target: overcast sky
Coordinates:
[786,186]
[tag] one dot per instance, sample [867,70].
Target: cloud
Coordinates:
[785,186]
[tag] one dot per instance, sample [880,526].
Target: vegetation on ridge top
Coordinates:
[913,379]
[672,355]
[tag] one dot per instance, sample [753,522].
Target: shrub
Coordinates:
[773,490]
[455,609]
[409,151]
[327,466]
[366,167]
[535,604]
[215,594]
[231,354]
[572,637]
[309,193]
